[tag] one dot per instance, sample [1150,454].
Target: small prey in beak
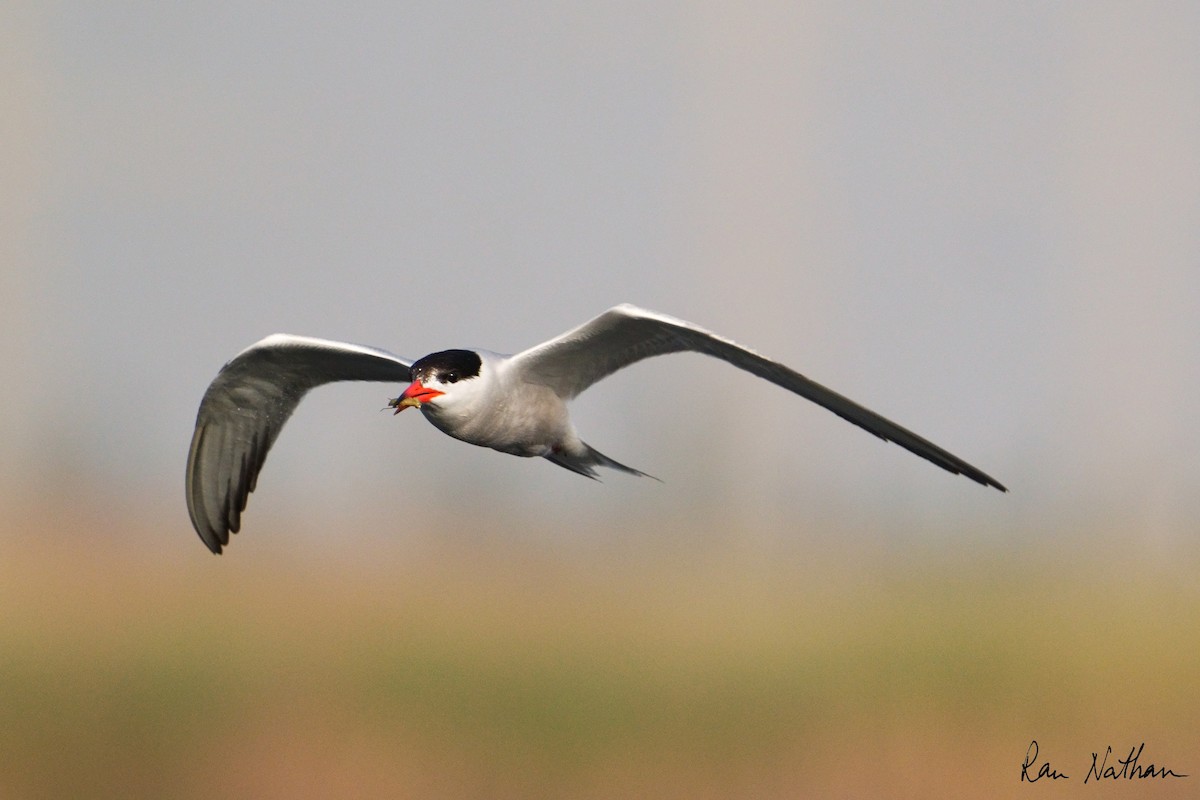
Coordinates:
[413,396]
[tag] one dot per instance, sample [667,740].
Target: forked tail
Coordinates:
[585,463]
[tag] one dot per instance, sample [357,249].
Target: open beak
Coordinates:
[413,396]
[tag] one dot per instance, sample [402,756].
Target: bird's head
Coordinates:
[440,379]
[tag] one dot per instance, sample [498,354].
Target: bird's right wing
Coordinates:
[246,406]
[627,334]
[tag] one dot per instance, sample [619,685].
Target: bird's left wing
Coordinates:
[627,334]
[246,406]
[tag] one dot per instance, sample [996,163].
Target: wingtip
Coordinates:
[988,480]
[210,539]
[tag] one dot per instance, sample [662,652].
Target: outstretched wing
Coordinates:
[627,334]
[246,406]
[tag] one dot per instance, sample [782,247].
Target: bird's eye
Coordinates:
[449,377]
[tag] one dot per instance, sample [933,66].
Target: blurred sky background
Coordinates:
[981,220]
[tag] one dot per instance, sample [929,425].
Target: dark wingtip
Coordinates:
[210,538]
[988,480]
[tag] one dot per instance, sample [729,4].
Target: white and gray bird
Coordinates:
[515,404]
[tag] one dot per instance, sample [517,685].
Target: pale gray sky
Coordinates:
[980,219]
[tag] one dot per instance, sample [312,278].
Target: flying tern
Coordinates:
[512,403]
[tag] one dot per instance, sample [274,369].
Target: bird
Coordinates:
[515,404]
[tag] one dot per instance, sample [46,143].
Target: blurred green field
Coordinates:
[503,668]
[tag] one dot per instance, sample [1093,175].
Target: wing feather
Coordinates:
[627,334]
[246,406]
